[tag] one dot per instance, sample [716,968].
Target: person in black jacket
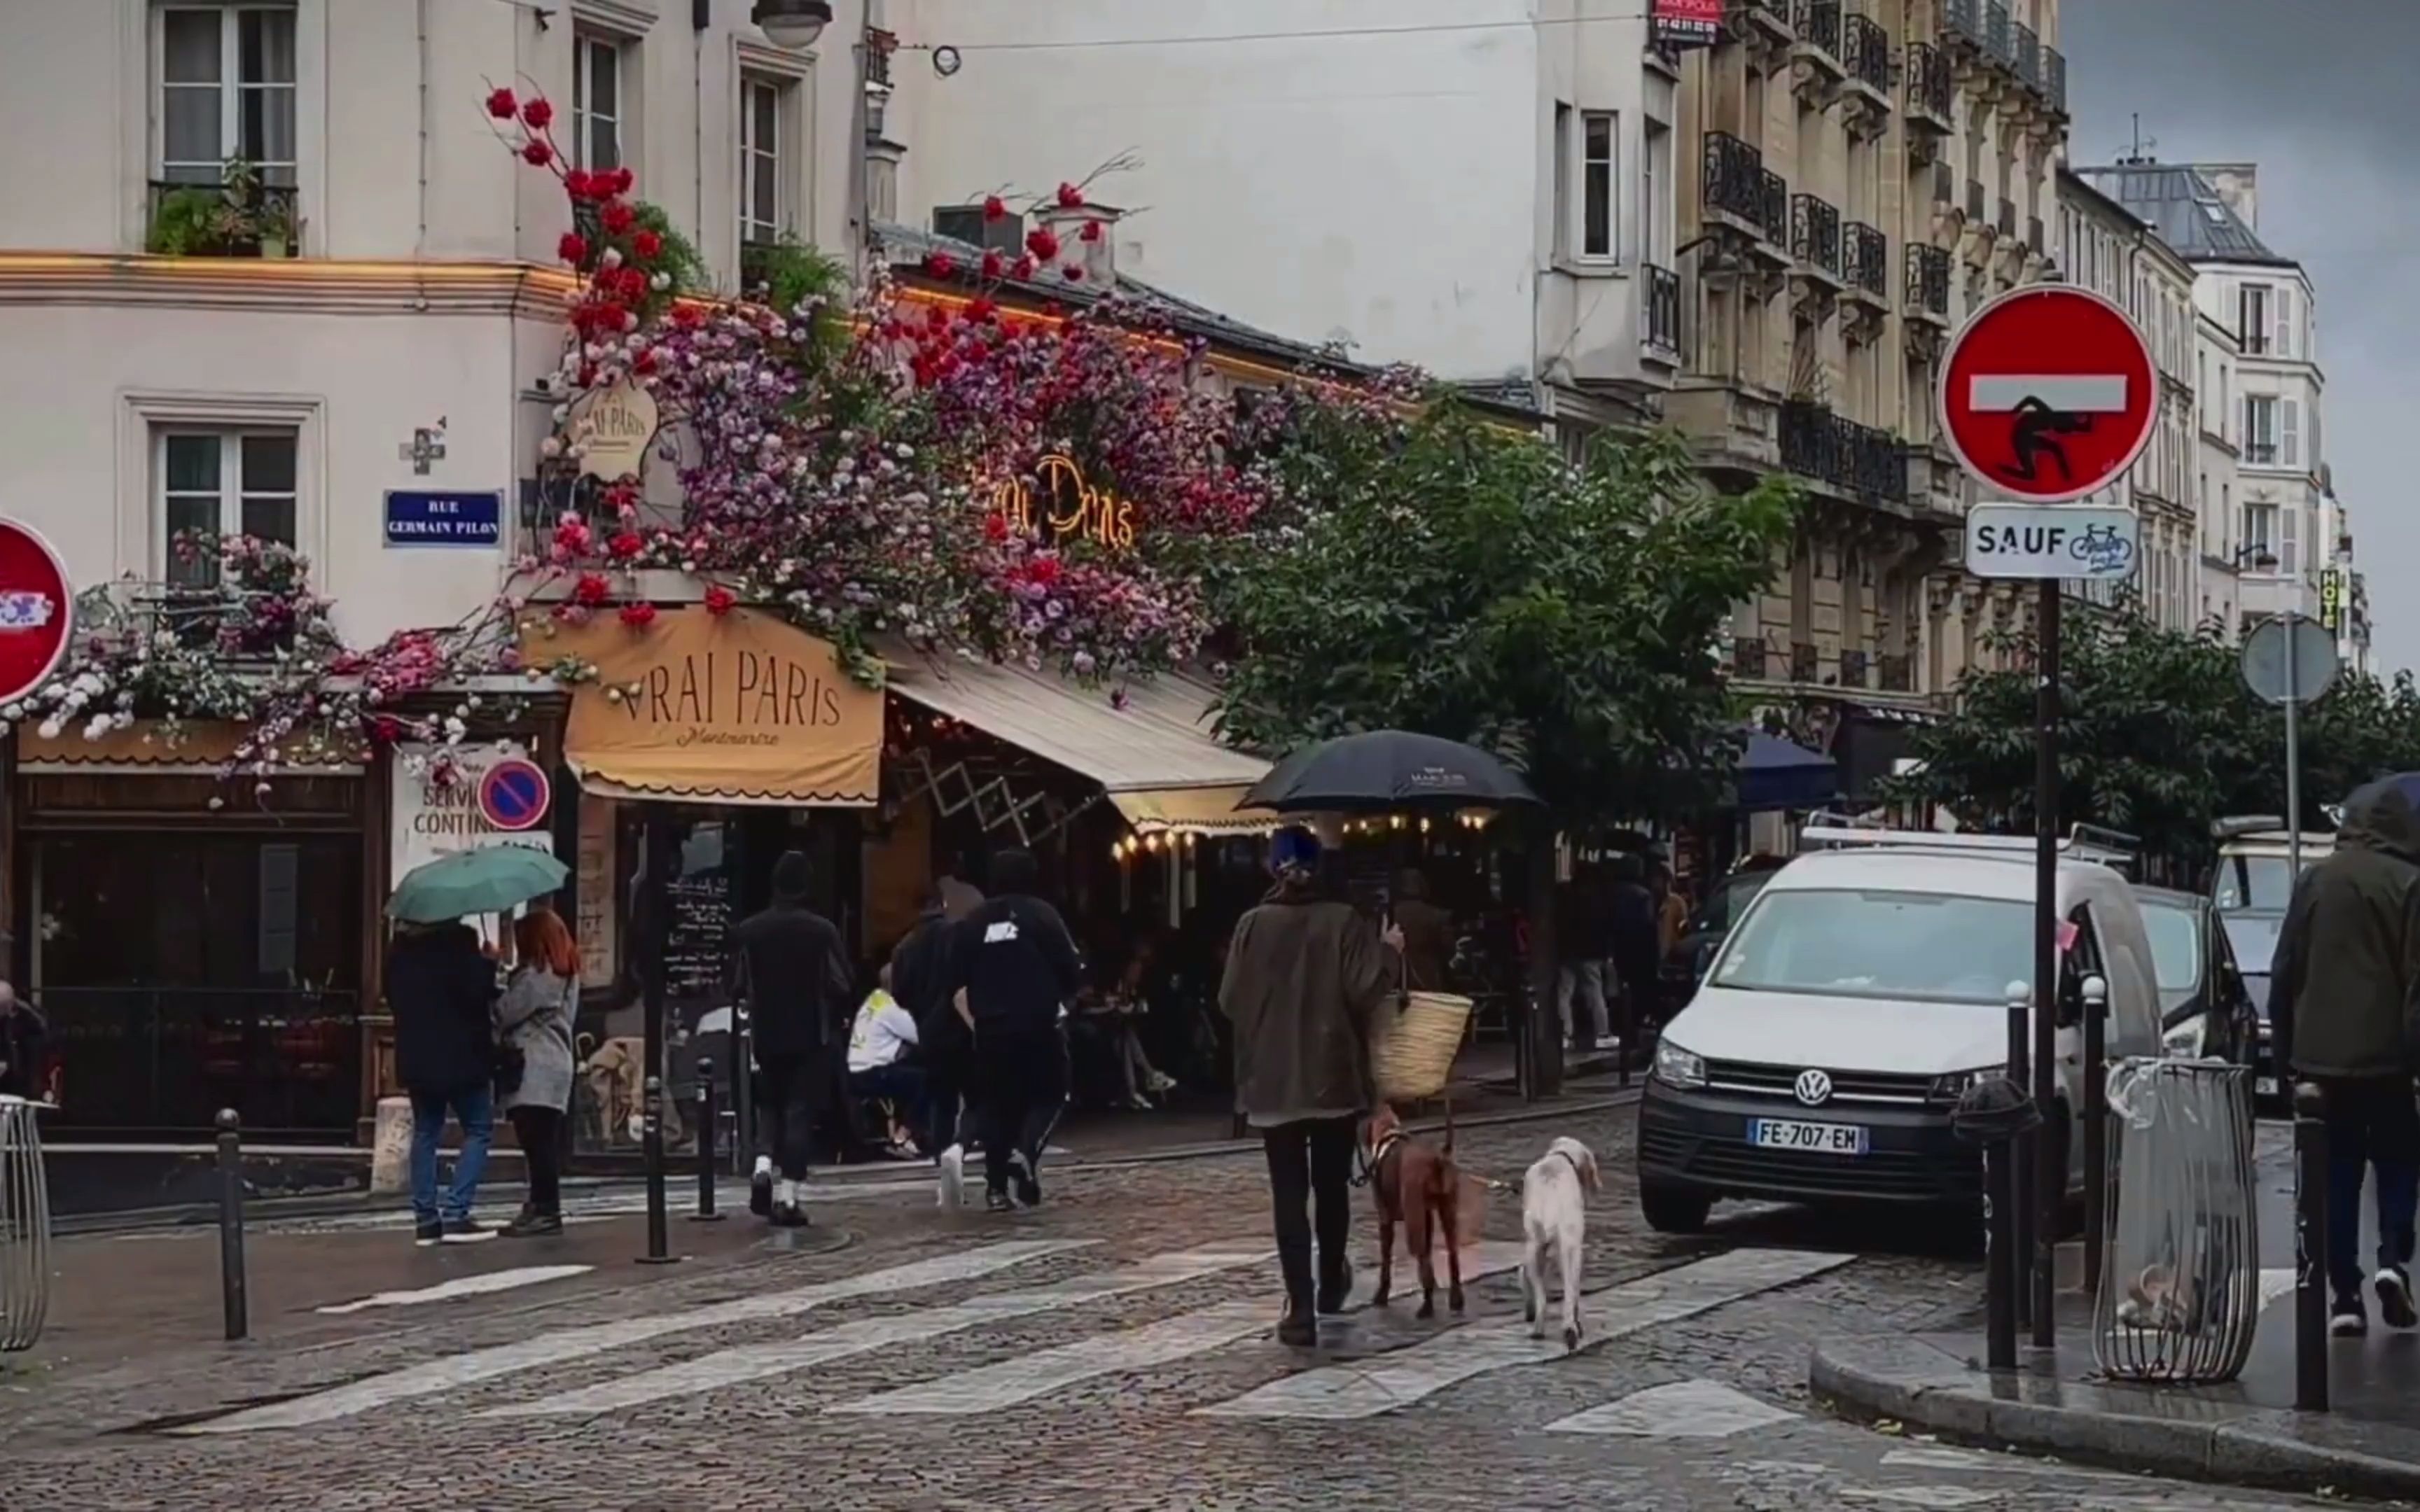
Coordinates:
[790,964]
[1014,960]
[440,985]
[920,978]
[22,1036]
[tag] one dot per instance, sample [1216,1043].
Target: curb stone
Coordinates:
[2182,1433]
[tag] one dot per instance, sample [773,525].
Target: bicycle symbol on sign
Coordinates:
[2103,552]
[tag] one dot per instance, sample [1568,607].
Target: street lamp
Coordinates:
[792,24]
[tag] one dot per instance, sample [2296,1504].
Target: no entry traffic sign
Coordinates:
[514,794]
[36,610]
[2048,394]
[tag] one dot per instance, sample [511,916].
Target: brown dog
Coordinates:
[1417,1185]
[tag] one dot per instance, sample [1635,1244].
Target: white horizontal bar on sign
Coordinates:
[2074,394]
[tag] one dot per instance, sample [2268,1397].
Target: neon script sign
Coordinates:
[1061,502]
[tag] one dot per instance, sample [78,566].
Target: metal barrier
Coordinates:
[24,1227]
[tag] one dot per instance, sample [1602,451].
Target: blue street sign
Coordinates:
[418,519]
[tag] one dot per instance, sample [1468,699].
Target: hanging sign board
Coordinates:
[2051,541]
[614,428]
[1686,22]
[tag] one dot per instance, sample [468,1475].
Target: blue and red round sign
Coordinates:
[514,794]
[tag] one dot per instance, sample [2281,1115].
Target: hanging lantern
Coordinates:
[792,24]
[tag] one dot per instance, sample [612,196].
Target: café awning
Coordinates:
[742,707]
[1152,752]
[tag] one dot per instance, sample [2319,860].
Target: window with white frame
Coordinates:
[2260,531]
[764,206]
[1598,226]
[2290,559]
[227,91]
[2260,430]
[222,482]
[599,105]
[2252,318]
[1655,186]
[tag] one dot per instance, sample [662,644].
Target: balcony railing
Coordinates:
[1661,318]
[2260,453]
[1859,459]
[1818,23]
[1853,668]
[1866,259]
[2034,234]
[2028,56]
[135,1059]
[1734,178]
[1869,51]
[1974,201]
[1815,233]
[2006,222]
[1747,657]
[1932,84]
[1898,674]
[1964,19]
[1996,31]
[1773,190]
[1928,280]
[2055,79]
[239,218]
[1804,662]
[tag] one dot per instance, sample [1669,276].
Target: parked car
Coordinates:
[2205,1007]
[1862,992]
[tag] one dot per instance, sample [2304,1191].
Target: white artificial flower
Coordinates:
[612,257]
[549,447]
[51,728]
[661,281]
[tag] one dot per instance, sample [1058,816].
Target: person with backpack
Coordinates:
[1016,966]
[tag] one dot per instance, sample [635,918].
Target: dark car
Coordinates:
[2207,1007]
[2252,935]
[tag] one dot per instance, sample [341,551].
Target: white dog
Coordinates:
[1554,1215]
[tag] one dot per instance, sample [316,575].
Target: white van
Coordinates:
[1862,992]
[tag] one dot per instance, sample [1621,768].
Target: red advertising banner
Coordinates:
[1686,22]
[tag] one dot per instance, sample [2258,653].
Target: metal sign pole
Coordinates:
[2293,758]
[2050,1178]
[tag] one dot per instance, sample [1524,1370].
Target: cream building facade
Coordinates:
[2225,558]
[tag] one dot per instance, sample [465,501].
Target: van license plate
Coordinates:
[2264,1086]
[1826,1138]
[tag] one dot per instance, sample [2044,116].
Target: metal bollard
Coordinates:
[2310,1249]
[2021,1152]
[1994,1112]
[705,1130]
[231,1273]
[652,1126]
[2096,1127]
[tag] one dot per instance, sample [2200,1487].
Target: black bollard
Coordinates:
[1995,1114]
[231,1278]
[652,1124]
[2310,1249]
[705,1173]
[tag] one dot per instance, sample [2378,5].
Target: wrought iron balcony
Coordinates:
[1866,259]
[2005,223]
[2055,79]
[1867,52]
[1818,23]
[1773,191]
[2026,57]
[1747,657]
[1733,179]
[1931,83]
[1853,668]
[1804,662]
[1974,202]
[1898,674]
[1928,280]
[1995,32]
[1857,459]
[1963,20]
[1815,233]
[239,217]
[1660,318]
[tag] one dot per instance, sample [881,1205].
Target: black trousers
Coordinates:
[540,1133]
[945,1079]
[798,1088]
[1311,1170]
[1024,1087]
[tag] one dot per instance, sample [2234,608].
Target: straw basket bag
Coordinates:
[1413,1040]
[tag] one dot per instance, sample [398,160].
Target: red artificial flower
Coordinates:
[643,363]
[386,729]
[623,178]
[537,153]
[719,600]
[537,115]
[626,545]
[572,536]
[1070,197]
[981,310]
[995,207]
[592,589]
[1022,269]
[501,105]
[1092,231]
[994,527]
[638,614]
[993,265]
[577,184]
[688,316]
[1073,272]
[573,248]
[940,264]
[646,246]
[1042,571]
[617,217]
[1043,242]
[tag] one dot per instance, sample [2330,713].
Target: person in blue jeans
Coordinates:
[440,985]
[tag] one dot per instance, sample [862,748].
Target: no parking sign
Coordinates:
[514,794]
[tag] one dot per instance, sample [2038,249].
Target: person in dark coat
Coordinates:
[440,986]
[1632,939]
[22,1036]
[1305,970]
[919,979]
[2343,986]
[789,963]
[1013,958]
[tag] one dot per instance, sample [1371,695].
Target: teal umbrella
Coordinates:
[489,880]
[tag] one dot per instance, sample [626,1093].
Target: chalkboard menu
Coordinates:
[697,944]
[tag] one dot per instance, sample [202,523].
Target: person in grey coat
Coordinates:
[534,1017]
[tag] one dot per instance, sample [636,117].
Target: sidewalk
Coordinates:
[2244,1433]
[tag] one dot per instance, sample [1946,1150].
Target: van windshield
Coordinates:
[2176,946]
[2260,881]
[1873,943]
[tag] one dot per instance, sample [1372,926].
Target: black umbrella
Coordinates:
[1386,770]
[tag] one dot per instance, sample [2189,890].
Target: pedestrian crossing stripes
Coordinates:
[1366,1389]
[1682,1409]
[555,1348]
[755,1362]
[1022,1379]
[467,1286]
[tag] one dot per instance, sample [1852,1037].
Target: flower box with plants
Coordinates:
[240,216]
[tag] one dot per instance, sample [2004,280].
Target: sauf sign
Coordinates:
[2049,541]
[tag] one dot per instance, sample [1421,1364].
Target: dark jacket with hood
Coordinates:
[920,977]
[1305,972]
[790,964]
[1019,964]
[2348,967]
[439,984]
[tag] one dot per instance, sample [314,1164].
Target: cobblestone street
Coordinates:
[1108,1351]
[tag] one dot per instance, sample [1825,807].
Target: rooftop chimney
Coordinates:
[1087,239]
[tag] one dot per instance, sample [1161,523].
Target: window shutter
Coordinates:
[2289,448]
[2285,322]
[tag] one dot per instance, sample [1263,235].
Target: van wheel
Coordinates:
[1674,1209]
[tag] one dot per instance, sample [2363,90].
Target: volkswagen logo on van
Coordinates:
[1814,1086]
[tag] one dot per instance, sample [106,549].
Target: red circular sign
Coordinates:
[513,794]
[2048,394]
[36,610]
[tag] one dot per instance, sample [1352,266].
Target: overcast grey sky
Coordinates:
[2321,94]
